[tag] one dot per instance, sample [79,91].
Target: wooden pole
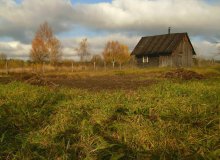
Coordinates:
[94,64]
[33,67]
[105,65]
[43,69]
[22,67]
[72,66]
[6,66]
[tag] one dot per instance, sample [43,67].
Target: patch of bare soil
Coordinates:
[183,74]
[5,79]
[39,80]
[104,82]
[94,83]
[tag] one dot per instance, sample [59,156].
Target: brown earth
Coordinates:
[183,74]
[5,79]
[94,83]
[102,82]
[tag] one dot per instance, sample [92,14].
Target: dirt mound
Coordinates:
[5,79]
[183,74]
[39,80]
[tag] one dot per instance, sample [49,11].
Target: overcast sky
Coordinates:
[102,20]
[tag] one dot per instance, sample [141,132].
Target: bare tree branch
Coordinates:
[82,50]
[45,46]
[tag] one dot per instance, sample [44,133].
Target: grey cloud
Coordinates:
[150,17]
[20,21]
[15,49]
[131,18]
[197,17]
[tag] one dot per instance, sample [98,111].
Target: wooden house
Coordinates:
[174,50]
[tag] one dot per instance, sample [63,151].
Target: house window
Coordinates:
[145,59]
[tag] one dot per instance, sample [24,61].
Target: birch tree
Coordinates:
[83,50]
[45,46]
[3,56]
[114,52]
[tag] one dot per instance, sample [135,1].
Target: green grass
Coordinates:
[168,120]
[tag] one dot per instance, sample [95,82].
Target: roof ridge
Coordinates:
[159,44]
[165,34]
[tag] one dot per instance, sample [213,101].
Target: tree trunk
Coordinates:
[113,64]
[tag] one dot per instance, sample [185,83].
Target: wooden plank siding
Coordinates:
[183,55]
[169,50]
[152,61]
[165,61]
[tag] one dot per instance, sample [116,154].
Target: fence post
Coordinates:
[72,66]
[22,67]
[33,67]
[43,69]
[94,65]
[6,66]
[105,65]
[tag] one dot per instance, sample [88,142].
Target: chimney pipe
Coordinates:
[169,30]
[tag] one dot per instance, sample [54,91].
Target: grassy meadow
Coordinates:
[170,119]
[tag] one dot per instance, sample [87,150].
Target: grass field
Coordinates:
[160,118]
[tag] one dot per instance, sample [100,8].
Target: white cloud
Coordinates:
[15,49]
[120,18]
[152,16]
[97,44]
[20,21]
[207,50]
[197,17]
[204,49]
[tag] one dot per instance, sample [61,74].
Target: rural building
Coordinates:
[174,50]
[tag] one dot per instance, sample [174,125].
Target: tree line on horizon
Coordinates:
[47,48]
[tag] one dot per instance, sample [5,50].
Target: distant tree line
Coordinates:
[47,48]
[3,57]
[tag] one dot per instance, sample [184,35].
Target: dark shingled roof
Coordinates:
[159,45]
